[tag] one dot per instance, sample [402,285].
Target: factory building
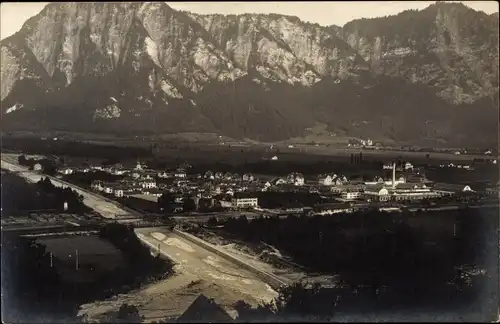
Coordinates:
[398,190]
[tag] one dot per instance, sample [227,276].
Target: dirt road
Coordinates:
[105,208]
[206,265]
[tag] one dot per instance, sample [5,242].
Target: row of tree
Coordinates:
[142,266]
[85,179]
[48,166]
[56,197]
[19,196]
[73,148]
[377,250]
[33,290]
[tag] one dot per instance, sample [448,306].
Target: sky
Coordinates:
[14,14]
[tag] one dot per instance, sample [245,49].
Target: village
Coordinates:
[398,185]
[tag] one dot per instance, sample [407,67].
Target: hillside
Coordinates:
[145,68]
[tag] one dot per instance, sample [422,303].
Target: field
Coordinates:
[96,257]
[209,148]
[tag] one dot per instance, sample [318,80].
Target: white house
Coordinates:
[296,179]
[146,177]
[325,180]
[277,182]
[446,189]
[248,177]
[108,189]
[180,173]
[351,195]
[274,158]
[97,185]
[408,166]
[148,184]
[118,192]
[209,175]
[377,192]
[163,175]
[338,180]
[37,167]
[66,171]
[225,204]
[412,191]
[97,167]
[118,171]
[244,201]
[138,166]
[299,180]
[387,166]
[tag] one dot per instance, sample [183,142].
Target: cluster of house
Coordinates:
[405,166]
[458,166]
[225,189]
[361,143]
[399,189]
[230,190]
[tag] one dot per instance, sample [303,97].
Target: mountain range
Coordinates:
[428,76]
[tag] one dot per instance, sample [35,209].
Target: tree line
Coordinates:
[56,197]
[49,167]
[376,251]
[19,196]
[73,148]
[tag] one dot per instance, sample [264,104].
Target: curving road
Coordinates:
[104,207]
[207,266]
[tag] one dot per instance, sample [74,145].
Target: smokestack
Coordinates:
[393,175]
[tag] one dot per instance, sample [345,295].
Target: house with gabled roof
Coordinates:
[448,189]
[204,310]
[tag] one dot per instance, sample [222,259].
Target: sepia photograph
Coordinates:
[241,162]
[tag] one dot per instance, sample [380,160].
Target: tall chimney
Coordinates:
[393,175]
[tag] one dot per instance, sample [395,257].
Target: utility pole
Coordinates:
[51,263]
[76,261]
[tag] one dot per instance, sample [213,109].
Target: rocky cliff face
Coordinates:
[446,46]
[281,48]
[145,67]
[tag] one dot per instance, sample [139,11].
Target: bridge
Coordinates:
[71,227]
[45,229]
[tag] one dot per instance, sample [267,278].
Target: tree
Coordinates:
[21,159]
[31,285]
[128,314]
[189,205]
[48,166]
[293,302]
[166,202]
[212,221]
